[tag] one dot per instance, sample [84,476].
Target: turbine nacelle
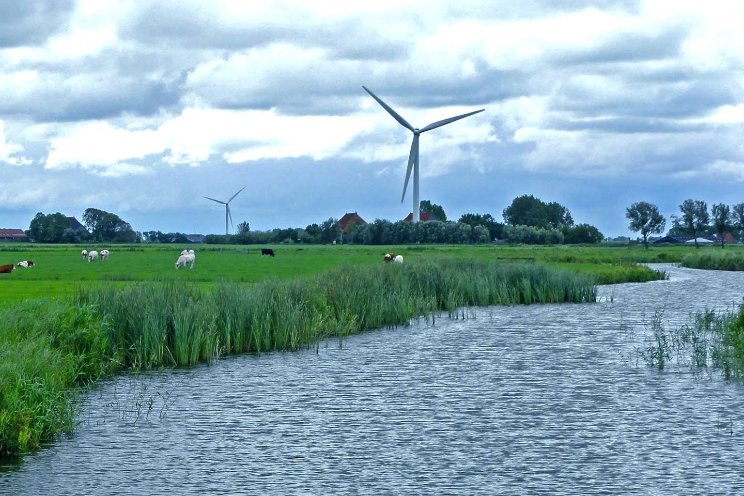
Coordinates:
[228,214]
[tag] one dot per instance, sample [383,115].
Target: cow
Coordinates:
[392,257]
[92,255]
[25,263]
[186,252]
[104,254]
[6,269]
[267,251]
[183,260]
[84,253]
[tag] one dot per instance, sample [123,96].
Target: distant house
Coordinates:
[348,220]
[75,225]
[425,217]
[195,238]
[681,239]
[13,235]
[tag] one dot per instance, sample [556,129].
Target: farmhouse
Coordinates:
[350,220]
[425,217]
[195,238]
[13,235]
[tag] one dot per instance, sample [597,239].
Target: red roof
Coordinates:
[425,216]
[348,218]
[12,234]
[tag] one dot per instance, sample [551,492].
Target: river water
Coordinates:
[542,399]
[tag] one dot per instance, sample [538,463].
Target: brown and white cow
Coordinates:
[392,257]
[25,263]
[6,269]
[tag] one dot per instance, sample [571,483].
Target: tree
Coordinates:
[49,228]
[582,233]
[721,220]
[526,210]
[433,208]
[646,219]
[486,220]
[329,231]
[694,219]
[105,226]
[737,219]
[244,228]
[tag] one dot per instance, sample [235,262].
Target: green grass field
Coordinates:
[59,269]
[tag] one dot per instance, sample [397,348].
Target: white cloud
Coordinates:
[11,153]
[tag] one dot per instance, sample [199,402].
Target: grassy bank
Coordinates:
[718,260]
[50,346]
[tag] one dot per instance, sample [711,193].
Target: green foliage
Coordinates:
[694,219]
[582,233]
[722,220]
[646,219]
[485,220]
[714,261]
[433,208]
[54,228]
[526,210]
[529,235]
[108,227]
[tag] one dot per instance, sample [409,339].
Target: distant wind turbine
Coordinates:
[228,215]
[413,157]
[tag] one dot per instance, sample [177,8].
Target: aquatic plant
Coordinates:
[714,261]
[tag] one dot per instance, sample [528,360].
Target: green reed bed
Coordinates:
[48,347]
[714,261]
[710,341]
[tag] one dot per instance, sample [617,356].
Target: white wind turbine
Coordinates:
[228,215]
[413,157]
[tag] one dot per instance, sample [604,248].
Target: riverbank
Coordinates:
[51,347]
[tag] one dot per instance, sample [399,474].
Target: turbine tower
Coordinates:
[228,215]
[413,157]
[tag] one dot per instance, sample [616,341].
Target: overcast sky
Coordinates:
[141,108]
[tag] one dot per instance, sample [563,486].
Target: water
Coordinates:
[548,399]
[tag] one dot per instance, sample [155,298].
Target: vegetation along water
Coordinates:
[72,322]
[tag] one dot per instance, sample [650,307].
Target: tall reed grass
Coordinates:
[711,341]
[47,347]
[714,261]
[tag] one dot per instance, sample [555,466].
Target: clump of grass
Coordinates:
[710,341]
[714,261]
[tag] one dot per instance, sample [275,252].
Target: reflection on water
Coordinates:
[544,399]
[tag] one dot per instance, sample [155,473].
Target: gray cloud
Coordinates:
[24,23]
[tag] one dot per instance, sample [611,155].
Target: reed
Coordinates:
[48,347]
[714,261]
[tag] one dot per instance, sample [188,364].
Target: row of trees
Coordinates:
[100,226]
[694,220]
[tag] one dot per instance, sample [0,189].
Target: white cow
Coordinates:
[92,255]
[187,259]
[104,254]
[392,257]
[84,253]
[186,252]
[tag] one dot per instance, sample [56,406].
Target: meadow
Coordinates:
[59,269]
[67,322]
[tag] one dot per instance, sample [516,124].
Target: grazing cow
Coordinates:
[267,251]
[92,255]
[183,260]
[104,254]
[6,269]
[392,257]
[25,263]
[186,252]
[84,253]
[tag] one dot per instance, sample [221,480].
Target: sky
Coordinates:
[142,108]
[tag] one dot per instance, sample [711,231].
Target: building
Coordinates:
[425,217]
[349,220]
[195,238]
[13,235]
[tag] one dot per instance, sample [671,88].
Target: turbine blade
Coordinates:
[218,201]
[411,159]
[437,124]
[229,214]
[236,194]
[390,111]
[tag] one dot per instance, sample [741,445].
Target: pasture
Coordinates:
[60,269]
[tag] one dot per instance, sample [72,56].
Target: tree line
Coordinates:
[693,220]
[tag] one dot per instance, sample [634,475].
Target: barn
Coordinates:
[8,235]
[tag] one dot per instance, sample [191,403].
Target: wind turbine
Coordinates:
[413,157]
[228,215]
